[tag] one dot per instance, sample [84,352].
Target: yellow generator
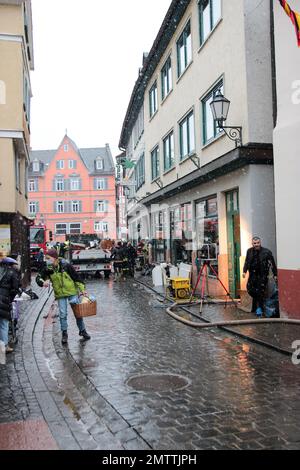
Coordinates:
[179,288]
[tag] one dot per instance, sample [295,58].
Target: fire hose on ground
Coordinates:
[225,325]
[217,324]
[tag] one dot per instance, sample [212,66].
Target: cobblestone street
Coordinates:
[234,394]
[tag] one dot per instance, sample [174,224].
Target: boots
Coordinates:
[84,335]
[64,338]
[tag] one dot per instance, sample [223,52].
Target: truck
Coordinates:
[88,260]
[37,241]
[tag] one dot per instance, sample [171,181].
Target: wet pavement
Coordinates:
[146,381]
[277,336]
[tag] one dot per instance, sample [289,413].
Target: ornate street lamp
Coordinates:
[220,107]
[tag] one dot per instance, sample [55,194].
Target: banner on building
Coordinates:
[295,18]
[5,245]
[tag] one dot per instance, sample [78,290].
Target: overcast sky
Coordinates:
[87,54]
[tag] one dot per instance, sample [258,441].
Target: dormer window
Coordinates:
[99,164]
[36,166]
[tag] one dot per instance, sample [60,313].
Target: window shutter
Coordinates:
[106,183]
[57,164]
[74,164]
[54,185]
[68,206]
[36,184]
[80,206]
[55,206]
[95,183]
[105,206]
[66,184]
[37,207]
[80,183]
[95,206]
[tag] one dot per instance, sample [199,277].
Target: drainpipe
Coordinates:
[273,63]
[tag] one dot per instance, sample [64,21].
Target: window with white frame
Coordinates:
[100,206]
[72,164]
[17,170]
[187,136]
[138,128]
[31,185]
[75,206]
[60,208]
[209,15]
[100,226]
[100,184]
[169,154]
[36,166]
[99,164]
[33,207]
[210,129]
[153,102]
[66,148]
[75,184]
[184,49]
[26,95]
[75,228]
[59,185]
[26,179]
[61,229]
[97,226]
[166,78]
[155,166]
[139,172]
[60,164]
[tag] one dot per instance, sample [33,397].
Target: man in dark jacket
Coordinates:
[9,286]
[258,262]
[117,255]
[131,256]
[66,285]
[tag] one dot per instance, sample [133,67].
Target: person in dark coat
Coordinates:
[258,262]
[9,287]
[40,259]
[131,255]
[117,255]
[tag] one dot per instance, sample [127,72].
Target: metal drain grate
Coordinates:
[157,382]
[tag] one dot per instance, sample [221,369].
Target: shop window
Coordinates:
[181,234]
[207,229]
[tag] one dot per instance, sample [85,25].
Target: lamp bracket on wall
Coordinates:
[196,161]
[159,183]
[233,133]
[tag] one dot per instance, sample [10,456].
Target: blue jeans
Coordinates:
[63,313]
[4,325]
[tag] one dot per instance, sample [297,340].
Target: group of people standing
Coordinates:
[123,256]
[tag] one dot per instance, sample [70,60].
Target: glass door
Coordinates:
[233,242]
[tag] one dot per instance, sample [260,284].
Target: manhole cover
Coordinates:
[157,382]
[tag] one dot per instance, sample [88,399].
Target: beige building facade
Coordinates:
[16,62]
[199,188]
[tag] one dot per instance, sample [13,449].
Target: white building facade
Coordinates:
[287,159]
[199,188]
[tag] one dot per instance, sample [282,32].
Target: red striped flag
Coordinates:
[295,18]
